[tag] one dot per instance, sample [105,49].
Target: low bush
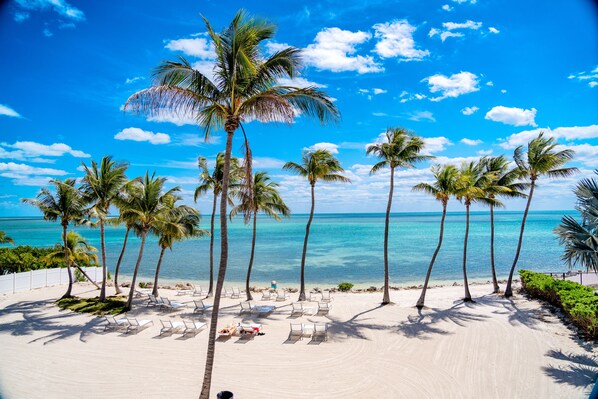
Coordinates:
[577,301]
[112,305]
[344,287]
[25,258]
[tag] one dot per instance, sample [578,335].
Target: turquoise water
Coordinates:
[342,247]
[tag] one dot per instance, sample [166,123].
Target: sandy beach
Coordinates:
[494,348]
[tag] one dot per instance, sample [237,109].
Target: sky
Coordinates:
[472,78]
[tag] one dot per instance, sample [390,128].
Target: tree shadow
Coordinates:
[353,328]
[581,370]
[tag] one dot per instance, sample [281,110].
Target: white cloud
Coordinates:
[61,7]
[455,161]
[136,134]
[194,140]
[446,34]
[24,169]
[169,116]
[471,142]
[465,1]
[490,83]
[300,82]
[47,33]
[567,133]
[452,86]
[332,148]
[591,77]
[396,40]
[492,29]
[484,152]
[584,153]
[333,50]
[405,96]
[421,115]
[450,27]
[512,116]
[446,7]
[31,149]
[469,110]
[133,80]
[7,111]
[199,47]
[21,16]
[273,47]
[267,163]
[380,91]
[593,84]
[503,91]
[435,144]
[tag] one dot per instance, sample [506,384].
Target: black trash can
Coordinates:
[224,395]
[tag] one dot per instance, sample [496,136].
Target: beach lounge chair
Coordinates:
[324,307]
[142,292]
[250,329]
[227,331]
[193,327]
[246,307]
[115,324]
[321,329]
[236,293]
[296,330]
[171,326]
[186,291]
[168,304]
[200,307]
[137,325]
[198,291]
[297,309]
[314,296]
[281,295]
[326,296]
[266,295]
[153,301]
[226,292]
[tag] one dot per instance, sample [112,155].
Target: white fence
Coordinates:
[11,283]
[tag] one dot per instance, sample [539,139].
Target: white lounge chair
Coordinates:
[226,292]
[297,309]
[142,292]
[246,307]
[193,327]
[198,291]
[171,326]
[250,329]
[326,296]
[137,325]
[266,295]
[227,331]
[324,307]
[114,323]
[186,291]
[321,330]
[236,293]
[200,307]
[296,330]
[168,304]
[153,301]
[281,295]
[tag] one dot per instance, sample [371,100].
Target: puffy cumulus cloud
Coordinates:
[396,40]
[379,91]
[568,133]
[198,47]
[434,145]
[512,116]
[452,86]
[333,50]
[484,152]
[274,47]
[492,29]
[27,175]
[7,111]
[451,27]
[137,134]
[590,77]
[31,150]
[332,148]
[584,153]
[469,110]
[421,116]
[471,142]
[446,7]
[61,7]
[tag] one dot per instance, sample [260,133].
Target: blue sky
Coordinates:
[471,77]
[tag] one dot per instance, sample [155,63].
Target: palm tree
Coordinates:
[503,182]
[581,239]
[148,204]
[542,158]
[101,184]
[400,150]
[4,239]
[244,87]
[266,199]
[67,205]
[316,165]
[213,182]
[442,188]
[177,223]
[469,189]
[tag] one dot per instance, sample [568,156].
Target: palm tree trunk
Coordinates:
[494,280]
[139,257]
[211,352]
[508,290]
[67,294]
[104,269]
[211,288]
[155,290]
[249,297]
[120,258]
[86,275]
[465,283]
[422,297]
[386,295]
[302,296]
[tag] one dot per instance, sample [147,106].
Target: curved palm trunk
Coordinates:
[139,257]
[249,297]
[494,280]
[211,288]
[120,258]
[422,297]
[302,296]
[67,294]
[155,290]
[86,275]
[508,290]
[386,296]
[465,283]
[104,268]
[211,352]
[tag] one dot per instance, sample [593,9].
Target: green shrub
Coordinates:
[25,258]
[344,287]
[577,301]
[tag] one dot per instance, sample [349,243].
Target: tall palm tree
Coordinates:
[443,186]
[244,87]
[80,252]
[4,239]
[315,165]
[503,182]
[469,189]
[101,184]
[542,158]
[212,182]
[401,149]
[175,224]
[148,204]
[265,199]
[68,205]
[581,239]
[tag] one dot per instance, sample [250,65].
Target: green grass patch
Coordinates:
[112,305]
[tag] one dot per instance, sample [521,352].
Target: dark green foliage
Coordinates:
[578,301]
[25,258]
[112,305]
[344,287]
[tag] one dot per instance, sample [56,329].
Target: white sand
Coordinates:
[494,348]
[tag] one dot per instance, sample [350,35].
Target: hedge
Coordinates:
[578,302]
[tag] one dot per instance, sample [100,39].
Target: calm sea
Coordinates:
[342,247]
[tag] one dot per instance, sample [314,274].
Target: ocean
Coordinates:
[342,247]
